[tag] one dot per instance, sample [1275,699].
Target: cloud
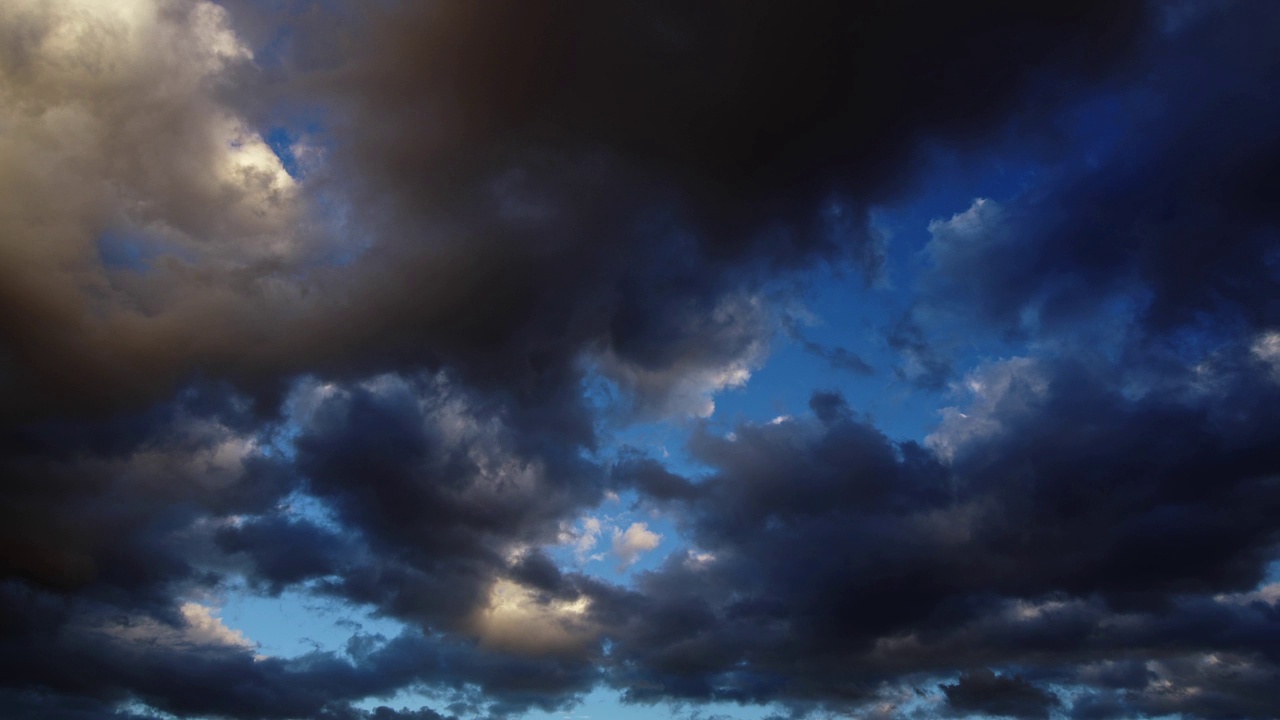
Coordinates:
[506,224]
[149,203]
[996,391]
[637,539]
[517,620]
[1173,225]
[439,485]
[838,358]
[922,364]
[985,692]
[717,350]
[1056,535]
[201,628]
[500,204]
[1266,348]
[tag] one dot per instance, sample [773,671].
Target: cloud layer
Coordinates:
[365,303]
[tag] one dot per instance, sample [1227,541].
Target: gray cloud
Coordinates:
[501,204]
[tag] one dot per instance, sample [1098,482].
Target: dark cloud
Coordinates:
[284,552]
[438,486]
[985,692]
[107,507]
[188,671]
[751,113]
[35,705]
[373,377]
[652,480]
[840,358]
[1067,520]
[1174,226]
[111,526]
[384,712]
[1212,686]
[837,357]
[922,364]
[506,187]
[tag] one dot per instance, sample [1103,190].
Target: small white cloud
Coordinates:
[629,545]
[583,539]
[962,240]
[1266,348]
[205,628]
[699,560]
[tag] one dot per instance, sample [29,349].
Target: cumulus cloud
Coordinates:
[997,392]
[630,544]
[1055,534]
[517,620]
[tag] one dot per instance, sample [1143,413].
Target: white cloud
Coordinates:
[1268,594]
[583,539]
[205,628]
[994,390]
[629,545]
[698,560]
[515,619]
[966,237]
[1266,348]
[202,628]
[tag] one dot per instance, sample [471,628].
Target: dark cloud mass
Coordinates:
[1179,221]
[986,692]
[374,304]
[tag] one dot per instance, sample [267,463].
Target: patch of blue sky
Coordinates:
[589,548]
[134,250]
[119,250]
[298,505]
[1272,574]
[295,622]
[619,436]
[283,142]
[591,551]
[303,128]
[606,704]
[843,312]
[279,437]
[773,393]
[301,145]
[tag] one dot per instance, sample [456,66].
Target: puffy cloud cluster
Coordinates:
[1078,527]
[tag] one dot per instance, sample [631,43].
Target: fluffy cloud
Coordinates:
[630,544]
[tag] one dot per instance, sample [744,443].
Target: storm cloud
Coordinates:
[429,312]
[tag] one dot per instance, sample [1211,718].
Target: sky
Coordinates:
[434,360]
